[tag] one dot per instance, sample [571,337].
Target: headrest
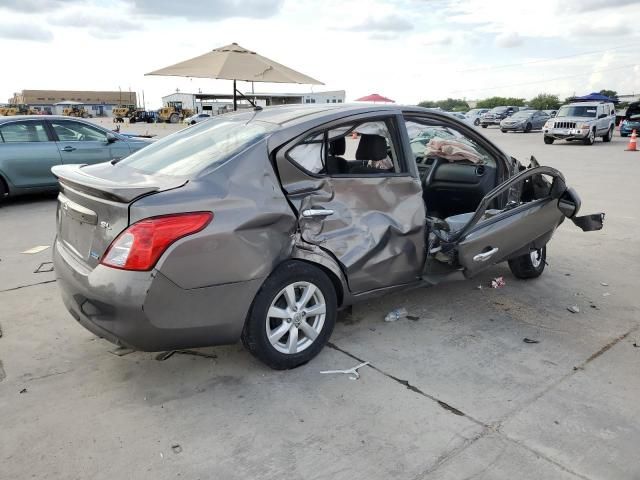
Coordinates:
[371,147]
[337,146]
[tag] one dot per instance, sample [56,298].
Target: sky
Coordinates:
[408,50]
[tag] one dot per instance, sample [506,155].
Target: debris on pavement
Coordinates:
[413,318]
[529,340]
[604,284]
[352,372]
[606,294]
[479,287]
[176,448]
[498,282]
[396,314]
[44,267]
[162,356]
[636,344]
[36,249]
[24,390]
[574,309]
[121,351]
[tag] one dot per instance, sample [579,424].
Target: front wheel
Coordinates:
[591,139]
[476,122]
[528,128]
[292,316]
[503,130]
[484,126]
[549,140]
[608,136]
[529,265]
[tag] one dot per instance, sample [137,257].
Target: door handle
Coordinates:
[483,257]
[68,149]
[316,212]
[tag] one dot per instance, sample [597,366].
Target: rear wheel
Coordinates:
[549,140]
[3,189]
[528,128]
[173,118]
[292,316]
[608,136]
[591,139]
[503,130]
[530,265]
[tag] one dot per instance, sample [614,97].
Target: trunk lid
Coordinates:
[94,201]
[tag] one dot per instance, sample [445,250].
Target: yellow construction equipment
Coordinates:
[173,113]
[75,112]
[18,109]
[123,111]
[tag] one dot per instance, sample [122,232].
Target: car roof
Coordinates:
[37,117]
[586,104]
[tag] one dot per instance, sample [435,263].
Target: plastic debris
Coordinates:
[396,314]
[36,249]
[24,390]
[162,356]
[44,267]
[573,309]
[606,294]
[604,284]
[636,344]
[479,287]
[529,340]
[498,282]
[176,448]
[121,351]
[352,372]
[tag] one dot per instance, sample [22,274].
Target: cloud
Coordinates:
[509,40]
[592,5]
[601,29]
[389,23]
[15,31]
[207,9]
[36,6]
[95,23]
[383,36]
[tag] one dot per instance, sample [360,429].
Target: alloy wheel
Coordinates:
[536,258]
[296,317]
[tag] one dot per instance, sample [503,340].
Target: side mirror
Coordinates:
[111,138]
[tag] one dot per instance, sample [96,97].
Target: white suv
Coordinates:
[582,121]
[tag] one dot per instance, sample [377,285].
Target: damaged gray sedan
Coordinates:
[261,225]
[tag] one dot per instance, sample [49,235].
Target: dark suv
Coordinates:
[496,115]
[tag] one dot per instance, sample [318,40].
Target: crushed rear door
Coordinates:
[93,210]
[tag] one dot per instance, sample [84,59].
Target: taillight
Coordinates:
[140,246]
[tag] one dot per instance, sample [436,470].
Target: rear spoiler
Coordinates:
[121,188]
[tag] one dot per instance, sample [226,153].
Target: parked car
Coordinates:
[198,117]
[496,115]
[525,121]
[261,225]
[551,113]
[475,114]
[31,145]
[582,121]
[631,120]
[144,116]
[460,116]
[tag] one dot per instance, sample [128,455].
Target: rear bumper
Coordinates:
[490,121]
[147,311]
[628,130]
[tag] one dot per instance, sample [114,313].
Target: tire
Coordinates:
[591,139]
[484,126]
[503,130]
[280,353]
[528,128]
[3,189]
[193,122]
[173,118]
[476,122]
[607,138]
[530,265]
[549,140]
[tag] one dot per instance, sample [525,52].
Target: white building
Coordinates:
[216,103]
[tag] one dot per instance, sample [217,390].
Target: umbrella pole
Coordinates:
[235,98]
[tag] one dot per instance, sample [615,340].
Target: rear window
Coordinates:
[195,148]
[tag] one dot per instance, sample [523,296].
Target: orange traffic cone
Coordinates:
[632,147]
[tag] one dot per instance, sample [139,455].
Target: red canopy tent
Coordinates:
[374,97]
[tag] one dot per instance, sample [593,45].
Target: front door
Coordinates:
[27,154]
[359,199]
[526,224]
[79,142]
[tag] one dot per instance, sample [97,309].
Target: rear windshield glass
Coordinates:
[195,148]
[499,109]
[578,111]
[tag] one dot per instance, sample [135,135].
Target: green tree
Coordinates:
[609,93]
[545,101]
[449,105]
[427,104]
[500,101]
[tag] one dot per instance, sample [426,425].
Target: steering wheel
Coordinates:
[428,179]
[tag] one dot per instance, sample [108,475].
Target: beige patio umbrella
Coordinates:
[234,62]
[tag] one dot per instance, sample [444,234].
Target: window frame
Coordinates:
[62,121]
[23,121]
[391,121]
